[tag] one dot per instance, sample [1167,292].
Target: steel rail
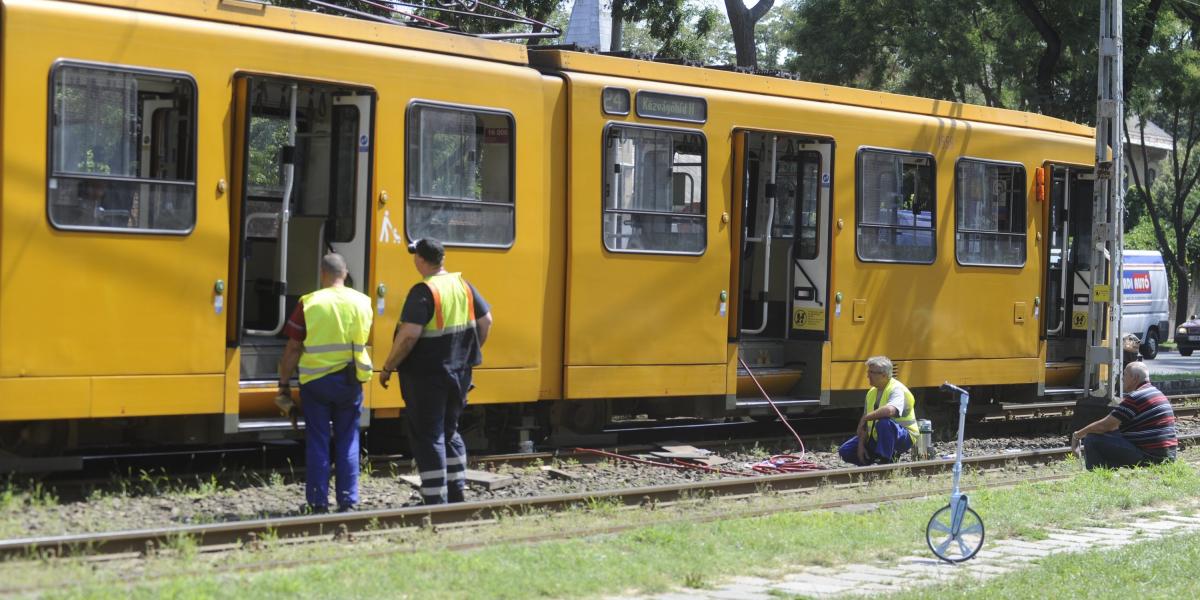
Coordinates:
[239,532]
[1018,411]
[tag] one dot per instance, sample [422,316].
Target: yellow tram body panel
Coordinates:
[77,307]
[639,323]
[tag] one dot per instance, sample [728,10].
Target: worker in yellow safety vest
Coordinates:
[888,426]
[327,343]
[442,329]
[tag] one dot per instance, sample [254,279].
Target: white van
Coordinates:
[1144,309]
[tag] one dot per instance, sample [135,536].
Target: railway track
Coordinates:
[203,464]
[236,534]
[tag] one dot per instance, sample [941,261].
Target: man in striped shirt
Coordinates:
[1139,431]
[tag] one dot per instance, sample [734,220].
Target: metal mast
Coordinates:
[1103,366]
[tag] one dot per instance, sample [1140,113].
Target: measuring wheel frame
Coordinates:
[957,519]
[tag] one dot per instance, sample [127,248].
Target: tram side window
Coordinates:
[896,220]
[654,190]
[122,147]
[460,176]
[990,206]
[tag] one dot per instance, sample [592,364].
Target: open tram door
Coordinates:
[1068,270]
[782,268]
[301,189]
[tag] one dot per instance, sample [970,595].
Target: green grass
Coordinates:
[653,558]
[1152,569]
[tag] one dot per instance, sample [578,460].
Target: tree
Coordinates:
[742,20]
[1173,101]
[661,15]
[690,34]
[771,36]
[1026,54]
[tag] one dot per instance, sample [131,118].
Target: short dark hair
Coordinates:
[333,264]
[429,249]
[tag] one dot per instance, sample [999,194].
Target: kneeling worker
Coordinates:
[889,422]
[1139,431]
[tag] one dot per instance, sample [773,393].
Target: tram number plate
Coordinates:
[1194,338]
[810,319]
[1079,319]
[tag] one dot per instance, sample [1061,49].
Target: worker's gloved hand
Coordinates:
[287,406]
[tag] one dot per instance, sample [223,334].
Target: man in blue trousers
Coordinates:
[888,426]
[327,342]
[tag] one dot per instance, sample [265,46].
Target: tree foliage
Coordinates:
[693,33]
[1033,55]
[1169,94]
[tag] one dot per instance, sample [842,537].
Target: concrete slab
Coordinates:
[873,570]
[808,588]
[1156,525]
[991,569]
[739,595]
[746,580]
[489,481]
[740,592]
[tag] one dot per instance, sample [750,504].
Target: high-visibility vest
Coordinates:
[337,322]
[453,305]
[906,419]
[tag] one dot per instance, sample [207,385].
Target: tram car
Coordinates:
[648,234]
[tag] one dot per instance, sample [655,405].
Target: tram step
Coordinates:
[1064,391]
[280,425]
[760,402]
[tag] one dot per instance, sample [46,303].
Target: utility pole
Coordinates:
[1103,366]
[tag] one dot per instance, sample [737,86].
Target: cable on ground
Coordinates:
[780,463]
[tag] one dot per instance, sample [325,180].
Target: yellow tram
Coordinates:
[636,226]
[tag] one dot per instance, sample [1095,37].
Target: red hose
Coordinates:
[782,463]
[679,465]
[785,463]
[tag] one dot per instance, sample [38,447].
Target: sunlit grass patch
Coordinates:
[1150,569]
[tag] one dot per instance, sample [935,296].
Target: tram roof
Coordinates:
[253,13]
[581,62]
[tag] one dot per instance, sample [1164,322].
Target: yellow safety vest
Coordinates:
[337,322]
[453,305]
[907,419]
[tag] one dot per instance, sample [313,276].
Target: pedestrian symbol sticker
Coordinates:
[388,234]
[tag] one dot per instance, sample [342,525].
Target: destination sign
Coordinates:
[672,107]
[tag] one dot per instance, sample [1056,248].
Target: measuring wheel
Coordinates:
[954,543]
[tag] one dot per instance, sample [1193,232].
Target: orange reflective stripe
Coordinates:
[437,306]
[470,302]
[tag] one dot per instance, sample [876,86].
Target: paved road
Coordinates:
[1169,361]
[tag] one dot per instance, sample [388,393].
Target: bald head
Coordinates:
[1135,374]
